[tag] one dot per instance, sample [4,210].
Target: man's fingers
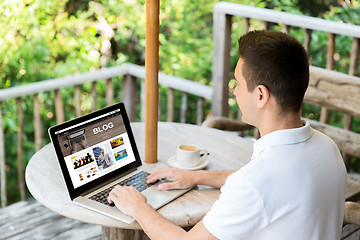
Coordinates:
[168,186]
[110,197]
[161,173]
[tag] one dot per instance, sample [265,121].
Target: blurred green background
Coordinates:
[45,39]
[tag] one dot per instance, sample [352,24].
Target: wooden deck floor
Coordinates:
[31,220]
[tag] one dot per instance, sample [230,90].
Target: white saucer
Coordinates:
[173,163]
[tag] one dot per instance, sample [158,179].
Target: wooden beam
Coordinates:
[151,80]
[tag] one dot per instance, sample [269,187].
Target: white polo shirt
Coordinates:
[293,188]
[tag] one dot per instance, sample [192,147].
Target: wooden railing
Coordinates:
[223,14]
[130,73]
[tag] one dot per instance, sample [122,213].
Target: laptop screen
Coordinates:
[94,145]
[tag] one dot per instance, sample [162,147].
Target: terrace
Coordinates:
[329,89]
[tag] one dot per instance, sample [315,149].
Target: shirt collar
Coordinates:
[283,137]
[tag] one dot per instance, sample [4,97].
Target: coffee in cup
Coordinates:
[188,155]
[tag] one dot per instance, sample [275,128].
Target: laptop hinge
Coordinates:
[107,182]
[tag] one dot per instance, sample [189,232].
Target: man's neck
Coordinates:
[277,122]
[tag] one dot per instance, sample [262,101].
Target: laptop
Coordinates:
[98,151]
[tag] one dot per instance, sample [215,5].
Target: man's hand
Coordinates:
[181,178]
[127,199]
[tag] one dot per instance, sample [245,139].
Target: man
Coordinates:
[104,159]
[294,185]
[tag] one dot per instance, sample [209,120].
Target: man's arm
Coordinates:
[185,179]
[133,203]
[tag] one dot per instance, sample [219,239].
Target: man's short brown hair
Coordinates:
[277,61]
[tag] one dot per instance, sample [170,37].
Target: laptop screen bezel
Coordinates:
[75,192]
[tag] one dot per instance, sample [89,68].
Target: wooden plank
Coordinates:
[20,143]
[37,123]
[183,107]
[58,83]
[131,69]
[226,8]
[170,105]
[2,164]
[334,90]
[199,111]
[109,92]
[129,88]
[59,108]
[348,231]
[93,96]
[77,97]
[221,64]
[181,84]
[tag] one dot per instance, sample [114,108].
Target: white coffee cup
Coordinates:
[188,155]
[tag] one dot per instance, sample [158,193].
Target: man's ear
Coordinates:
[263,95]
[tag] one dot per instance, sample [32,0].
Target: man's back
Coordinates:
[293,188]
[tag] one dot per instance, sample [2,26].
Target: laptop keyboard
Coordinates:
[138,181]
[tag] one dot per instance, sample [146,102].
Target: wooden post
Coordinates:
[129,96]
[183,107]
[93,96]
[37,123]
[60,117]
[199,111]
[221,64]
[353,70]
[2,164]
[266,25]
[246,25]
[109,92]
[170,105]
[325,113]
[307,41]
[286,29]
[151,80]
[77,100]
[20,143]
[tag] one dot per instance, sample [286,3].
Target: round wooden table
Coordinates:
[227,151]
